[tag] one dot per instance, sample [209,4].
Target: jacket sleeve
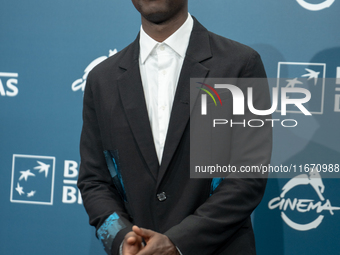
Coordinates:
[102,200]
[215,222]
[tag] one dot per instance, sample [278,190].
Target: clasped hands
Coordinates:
[156,243]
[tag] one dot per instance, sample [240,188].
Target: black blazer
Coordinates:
[130,184]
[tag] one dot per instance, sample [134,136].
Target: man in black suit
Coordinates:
[135,150]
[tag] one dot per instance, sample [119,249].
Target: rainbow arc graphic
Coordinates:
[209,93]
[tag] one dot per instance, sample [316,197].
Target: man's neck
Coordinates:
[160,32]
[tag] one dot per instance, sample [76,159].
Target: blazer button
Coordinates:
[161,196]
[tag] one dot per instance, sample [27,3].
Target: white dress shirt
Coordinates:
[160,66]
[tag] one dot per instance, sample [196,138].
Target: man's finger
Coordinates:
[131,240]
[132,243]
[143,232]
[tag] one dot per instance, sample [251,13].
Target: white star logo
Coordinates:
[31,194]
[312,74]
[42,168]
[293,82]
[19,189]
[25,174]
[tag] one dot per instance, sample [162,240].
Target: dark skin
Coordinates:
[156,243]
[160,19]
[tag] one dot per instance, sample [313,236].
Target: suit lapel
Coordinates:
[132,96]
[198,51]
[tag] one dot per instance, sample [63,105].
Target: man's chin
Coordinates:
[156,18]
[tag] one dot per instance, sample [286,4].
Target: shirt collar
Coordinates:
[178,41]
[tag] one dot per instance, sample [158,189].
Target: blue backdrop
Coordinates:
[47,49]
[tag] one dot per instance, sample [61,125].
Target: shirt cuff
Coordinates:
[121,248]
[180,253]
